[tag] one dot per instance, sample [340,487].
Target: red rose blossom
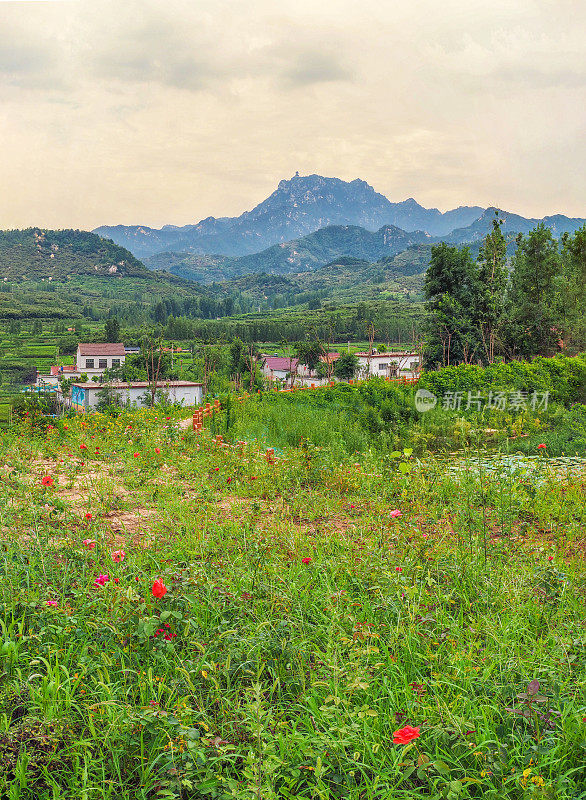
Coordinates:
[159,589]
[405,735]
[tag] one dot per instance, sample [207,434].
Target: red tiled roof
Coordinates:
[281,363]
[101,349]
[56,369]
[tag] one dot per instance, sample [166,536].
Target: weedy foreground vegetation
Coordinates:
[182,618]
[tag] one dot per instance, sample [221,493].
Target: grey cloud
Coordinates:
[314,67]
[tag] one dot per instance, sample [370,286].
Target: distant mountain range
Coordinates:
[305,204]
[299,255]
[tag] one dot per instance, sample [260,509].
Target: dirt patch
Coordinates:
[133,525]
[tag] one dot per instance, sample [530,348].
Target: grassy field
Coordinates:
[183,619]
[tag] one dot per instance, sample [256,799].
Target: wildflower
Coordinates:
[89,543]
[118,555]
[102,580]
[228,480]
[157,450]
[88,515]
[396,514]
[352,506]
[398,569]
[136,455]
[83,446]
[52,603]
[550,558]
[47,481]
[306,560]
[405,735]
[541,446]
[159,589]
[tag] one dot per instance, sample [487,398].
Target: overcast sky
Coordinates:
[168,111]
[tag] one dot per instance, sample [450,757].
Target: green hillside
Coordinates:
[36,254]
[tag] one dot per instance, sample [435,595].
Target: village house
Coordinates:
[87,396]
[285,368]
[95,358]
[394,364]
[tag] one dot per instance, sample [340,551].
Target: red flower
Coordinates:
[550,558]
[136,455]
[47,481]
[405,735]
[306,560]
[88,515]
[157,450]
[541,446]
[83,446]
[159,589]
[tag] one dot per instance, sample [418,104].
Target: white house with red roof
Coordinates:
[390,364]
[94,358]
[91,358]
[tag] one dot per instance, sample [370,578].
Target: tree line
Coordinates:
[483,310]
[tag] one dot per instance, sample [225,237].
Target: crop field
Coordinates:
[182,618]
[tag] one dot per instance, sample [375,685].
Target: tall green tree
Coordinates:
[345,366]
[450,287]
[534,325]
[572,289]
[309,353]
[488,312]
[112,330]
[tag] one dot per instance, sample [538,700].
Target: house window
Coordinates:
[89,363]
[383,366]
[115,362]
[103,363]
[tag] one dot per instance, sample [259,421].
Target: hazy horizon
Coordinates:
[156,114]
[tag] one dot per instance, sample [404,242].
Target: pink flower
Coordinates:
[52,603]
[306,560]
[118,555]
[101,580]
[396,514]
[89,543]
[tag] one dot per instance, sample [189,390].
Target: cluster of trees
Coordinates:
[391,320]
[484,310]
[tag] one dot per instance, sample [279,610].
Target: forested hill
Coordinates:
[299,255]
[35,254]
